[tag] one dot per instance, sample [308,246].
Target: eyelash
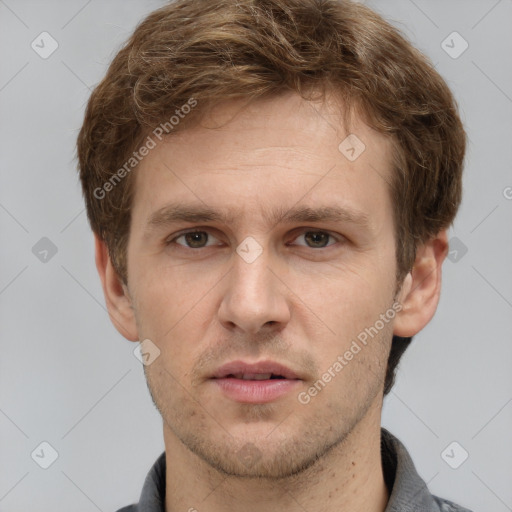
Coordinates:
[304,232]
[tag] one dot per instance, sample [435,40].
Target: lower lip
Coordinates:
[255,391]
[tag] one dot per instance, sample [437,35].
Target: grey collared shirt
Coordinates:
[408,492]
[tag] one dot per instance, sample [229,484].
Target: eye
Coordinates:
[316,239]
[194,239]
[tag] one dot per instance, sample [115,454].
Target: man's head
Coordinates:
[318,158]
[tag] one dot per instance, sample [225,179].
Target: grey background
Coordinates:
[68,378]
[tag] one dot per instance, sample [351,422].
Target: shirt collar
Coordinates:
[407,490]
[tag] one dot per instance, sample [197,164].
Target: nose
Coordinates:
[254,297]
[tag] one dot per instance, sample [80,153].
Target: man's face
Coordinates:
[297,292]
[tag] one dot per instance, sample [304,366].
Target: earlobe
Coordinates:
[420,291]
[116,294]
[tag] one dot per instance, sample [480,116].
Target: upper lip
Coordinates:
[241,367]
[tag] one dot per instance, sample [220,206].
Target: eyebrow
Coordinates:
[195,214]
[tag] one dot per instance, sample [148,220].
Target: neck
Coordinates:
[348,478]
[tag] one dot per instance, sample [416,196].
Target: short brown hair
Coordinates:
[217,50]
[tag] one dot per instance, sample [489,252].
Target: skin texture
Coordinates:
[301,302]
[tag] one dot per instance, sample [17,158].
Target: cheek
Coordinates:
[341,315]
[171,295]
[344,297]
[174,310]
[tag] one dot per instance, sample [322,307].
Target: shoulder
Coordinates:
[449,506]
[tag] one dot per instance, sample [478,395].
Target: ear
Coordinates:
[117,298]
[421,287]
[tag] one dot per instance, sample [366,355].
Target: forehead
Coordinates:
[274,153]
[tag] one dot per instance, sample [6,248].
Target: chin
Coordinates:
[283,457]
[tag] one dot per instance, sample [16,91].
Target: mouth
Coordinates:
[260,382]
[254,376]
[262,370]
